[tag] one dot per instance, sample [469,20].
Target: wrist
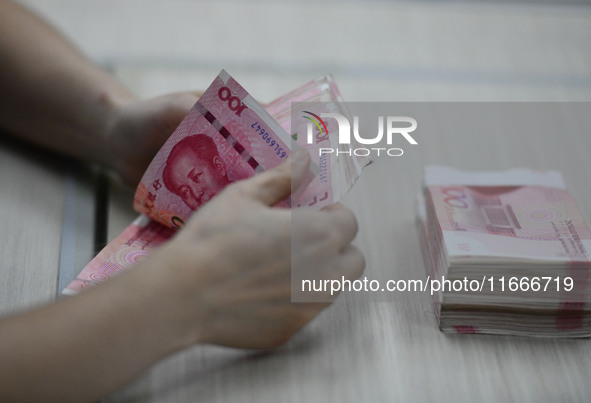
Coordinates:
[169,300]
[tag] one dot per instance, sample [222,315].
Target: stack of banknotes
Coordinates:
[505,253]
[226,137]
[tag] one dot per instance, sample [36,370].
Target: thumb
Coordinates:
[276,184]
[171,109]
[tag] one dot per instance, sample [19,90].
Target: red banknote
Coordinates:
[226,137]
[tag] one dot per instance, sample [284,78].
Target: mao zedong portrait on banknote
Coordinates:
[195,171]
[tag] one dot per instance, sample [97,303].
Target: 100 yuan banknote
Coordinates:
[226,137]
[135,243]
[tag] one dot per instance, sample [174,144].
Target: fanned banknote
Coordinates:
[514,248]
[336,172]
[226,137]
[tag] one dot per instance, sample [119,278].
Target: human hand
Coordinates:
[228,269]
[136,131]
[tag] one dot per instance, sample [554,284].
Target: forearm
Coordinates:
[86,346]
[223,279]
[51,94]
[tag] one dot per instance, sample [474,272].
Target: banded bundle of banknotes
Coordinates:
[509,253]
[226,137]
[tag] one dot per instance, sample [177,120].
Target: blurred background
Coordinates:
[377,50]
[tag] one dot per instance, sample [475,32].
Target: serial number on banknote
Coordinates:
[269,140]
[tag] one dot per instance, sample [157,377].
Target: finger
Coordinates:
[300,164]
[349,266]
[169,110]
[184,101]
[343,221]
[350,263]
[196,94]
[189,95]
[192,93]
[274,185]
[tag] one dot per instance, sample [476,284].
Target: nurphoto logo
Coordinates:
[395,126]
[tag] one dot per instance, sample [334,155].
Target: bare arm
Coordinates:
[224,279]
[213,283]
[53,96]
